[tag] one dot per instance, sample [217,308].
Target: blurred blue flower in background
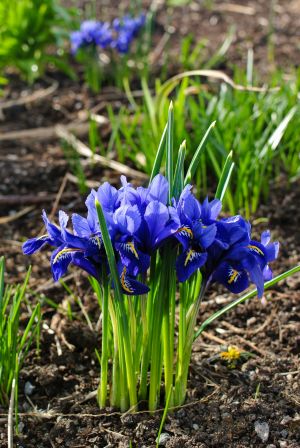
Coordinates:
[90,33]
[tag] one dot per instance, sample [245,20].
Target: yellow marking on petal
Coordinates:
[187,230]
[133,249]
[189,256]
[233,276]
[124,282]
[256,249]
[64,251]
[95,239]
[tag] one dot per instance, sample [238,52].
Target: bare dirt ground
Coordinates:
[225,407]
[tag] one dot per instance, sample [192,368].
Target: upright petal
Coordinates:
[156,217]
[158,189]
[128,219]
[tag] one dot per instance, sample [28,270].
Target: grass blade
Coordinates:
[109,250]
[243,299]
[225,177]
[159,155]
[179,171]
[196,158]
[169,154]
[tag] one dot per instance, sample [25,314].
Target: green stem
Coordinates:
[104,354]
[186,347]
[115,384]
[155,373]
[145,351]
[130,373]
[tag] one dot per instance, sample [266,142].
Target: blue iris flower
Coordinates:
[244,260]
[127,29]
[91,33]
[194,236]
[140,221]
[70,248]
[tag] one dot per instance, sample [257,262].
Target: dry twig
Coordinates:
[85,151]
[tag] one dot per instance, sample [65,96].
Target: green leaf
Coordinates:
[243,299]
[109,250]
[196,158]
[179,171]
[225,177]
[159,155]
[169,154]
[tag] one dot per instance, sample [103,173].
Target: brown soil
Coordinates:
[224,405]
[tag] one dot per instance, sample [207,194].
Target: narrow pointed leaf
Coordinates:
[196,158]
[159,155]
[179,171]
[169,155]
[109,250]
[225,177]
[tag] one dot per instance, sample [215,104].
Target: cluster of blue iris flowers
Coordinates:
[140,221]
[119,35]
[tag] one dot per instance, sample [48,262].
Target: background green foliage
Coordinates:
[28,28]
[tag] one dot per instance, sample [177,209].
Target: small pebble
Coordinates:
[21,426]
[284,433]
[251,321]
[163,438]
[282,443]
[262,429]
[286,419]
[195,426]
[28,388]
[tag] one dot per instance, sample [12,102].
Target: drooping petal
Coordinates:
[251,265]
[131,286]
[188,262]
[60,261]
[184,235]
[84,263]
[132,257]
[204,235]
[235,280]
[35,244]
[267,273]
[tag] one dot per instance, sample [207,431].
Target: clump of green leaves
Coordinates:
[27,29]
[14,340]
[260,127]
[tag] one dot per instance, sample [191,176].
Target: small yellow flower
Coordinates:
[232,354]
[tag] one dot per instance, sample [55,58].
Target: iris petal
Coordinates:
[60,261]
[188,262]
[34,244]
[235,280]
[131,286]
